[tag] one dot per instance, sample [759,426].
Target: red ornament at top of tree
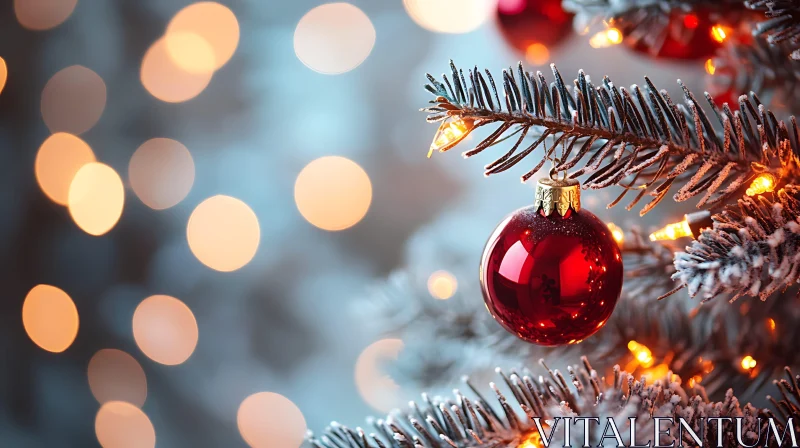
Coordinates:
[688,36]
[531,26]
[551,273]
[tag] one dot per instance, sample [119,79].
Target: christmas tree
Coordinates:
[687,341]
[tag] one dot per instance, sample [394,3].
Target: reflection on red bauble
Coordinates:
[530,22]
[551,280]
[687,36]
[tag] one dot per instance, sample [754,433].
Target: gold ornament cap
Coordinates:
[557,194]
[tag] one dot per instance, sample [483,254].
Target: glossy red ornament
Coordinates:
[551,280]
[687,36]
[530,24]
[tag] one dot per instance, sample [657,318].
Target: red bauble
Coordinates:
[551,280]
[529,24]
[687,36]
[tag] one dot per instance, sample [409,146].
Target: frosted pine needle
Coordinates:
[506,418]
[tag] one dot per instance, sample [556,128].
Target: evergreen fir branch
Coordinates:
[637,138]
[457,335]
[647,264]
[782,24]
[507,421]
[753,65]
[752,249]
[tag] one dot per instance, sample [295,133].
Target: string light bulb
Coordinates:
[711,68]
[672,231]
[764,183]
[532,440]
[606,38]
[771,324]
[719,33]
[692,225]
[616,233]
[450,133]
[642,354]
[748,363]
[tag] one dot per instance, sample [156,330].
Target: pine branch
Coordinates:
[647,265]
[753,249]
[508,420]
[639,139]
[782,24]
[753,65]
[457,335]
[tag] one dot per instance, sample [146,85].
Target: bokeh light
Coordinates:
[58,160]
[710,67]
[73,100]
[166,80]
[3,74]
[333,193]
[214,24]
[122,425]
[50,318]
[442,285]
[537,54]
[376,387]
[334,38]
[223,233]
[161,172]
[190,52]
[96,198]
[116,376]
[449,16]
[268,420]
[41,15]
[165,329]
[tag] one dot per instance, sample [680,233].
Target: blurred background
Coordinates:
[195,195]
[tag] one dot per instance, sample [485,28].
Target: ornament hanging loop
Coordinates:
[554,171]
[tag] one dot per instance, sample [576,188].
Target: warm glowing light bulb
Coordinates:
[695,380]
[606,38]
[710,67]
[719,33]
[3,74]
[449,134]
[672,231]
[771,324]
[748,362]
[643,354]
[764,183]
[616,232]
[614,36]
[532,440]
